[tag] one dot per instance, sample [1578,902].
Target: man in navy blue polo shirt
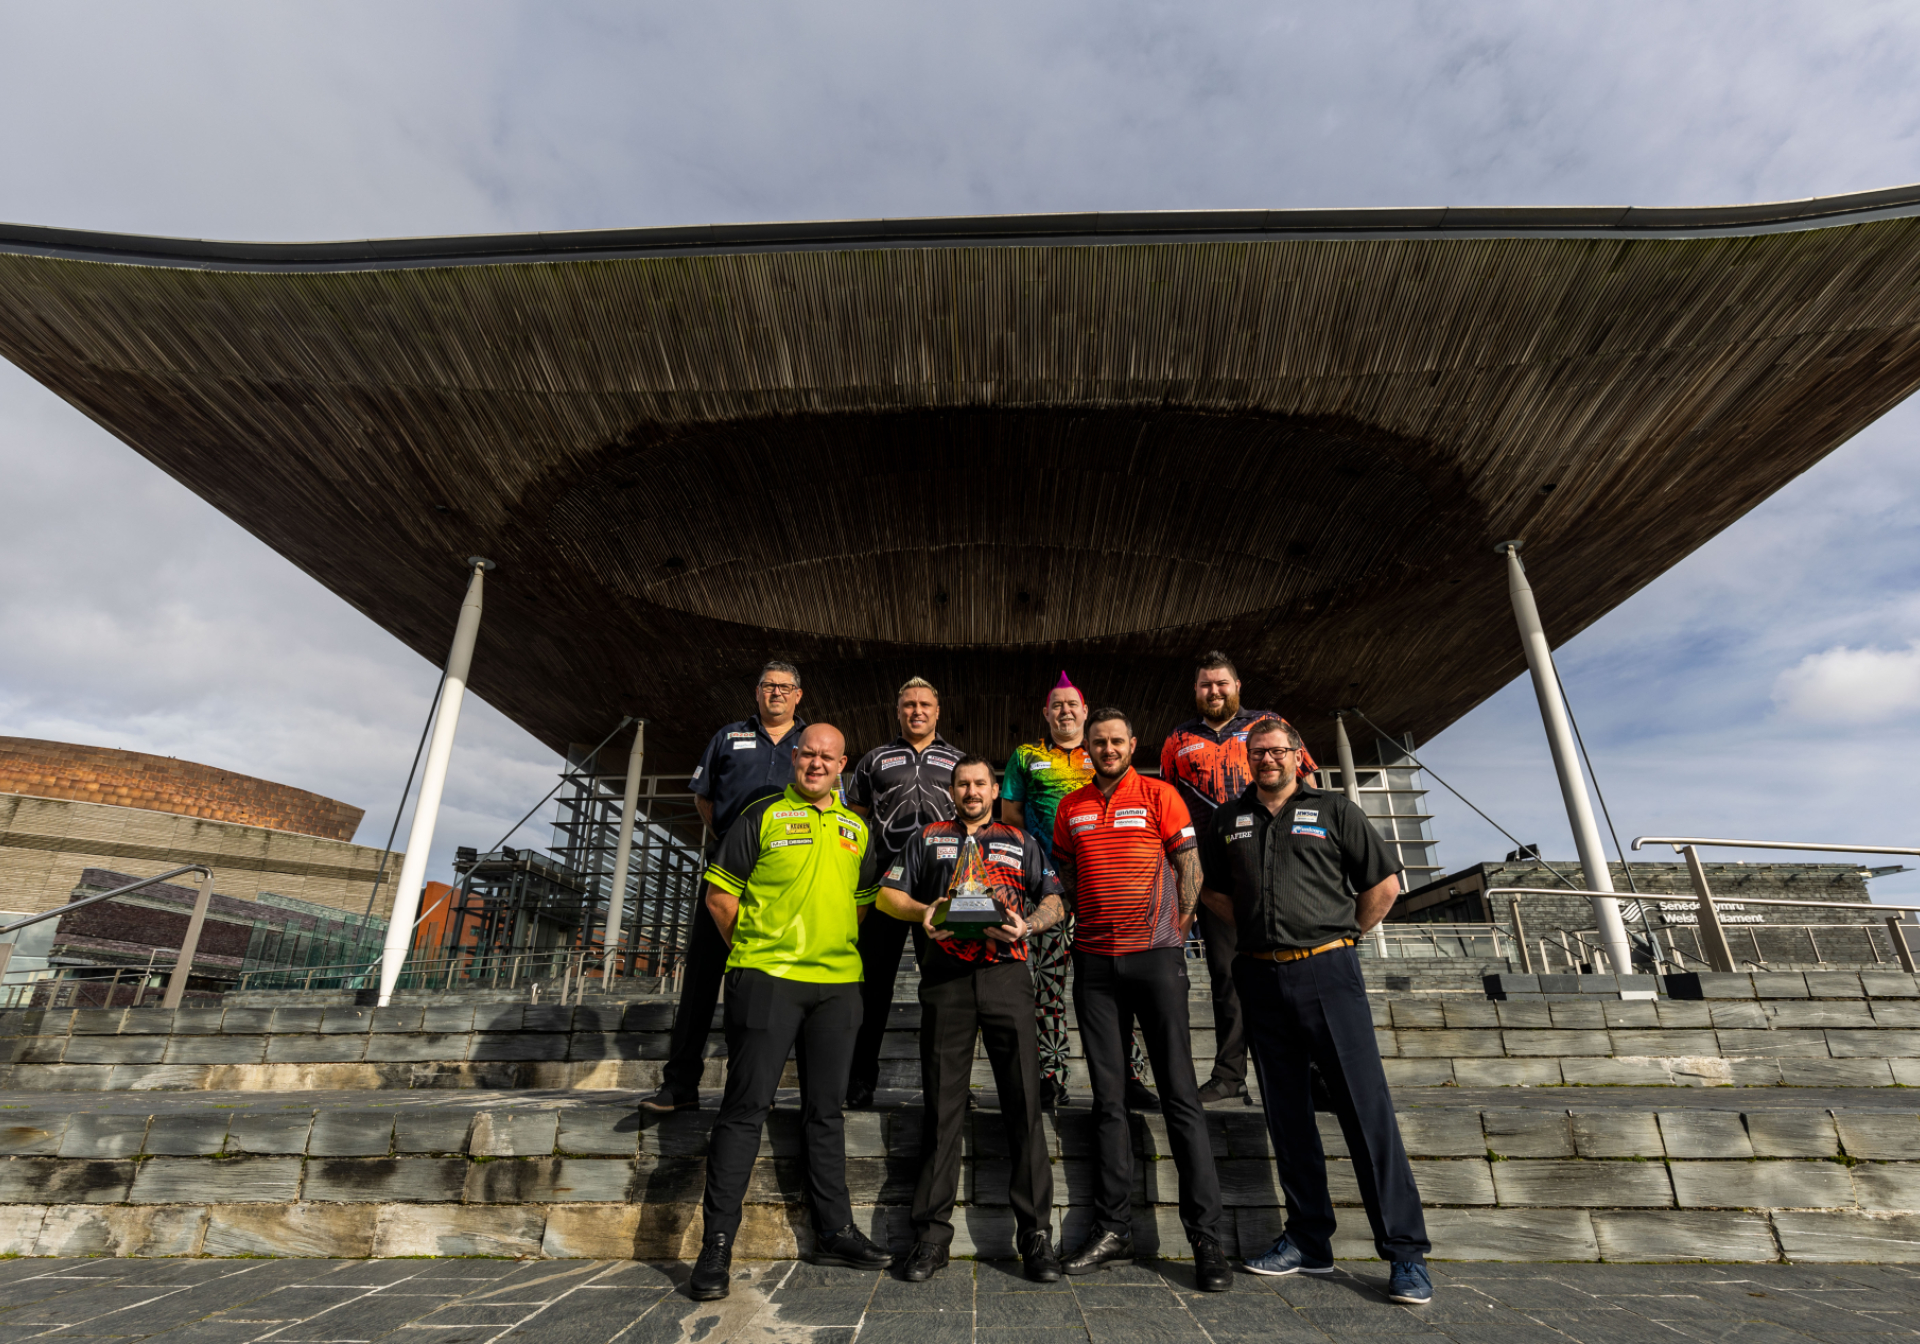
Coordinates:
[745,762]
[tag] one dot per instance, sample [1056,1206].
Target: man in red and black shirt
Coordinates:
[1124,849]
[977,986]
[1206,759]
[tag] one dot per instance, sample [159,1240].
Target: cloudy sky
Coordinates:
[1768,685]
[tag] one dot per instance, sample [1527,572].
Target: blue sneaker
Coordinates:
[1283,1257]
[1409,1284]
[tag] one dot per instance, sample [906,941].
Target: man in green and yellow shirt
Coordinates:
[792,881]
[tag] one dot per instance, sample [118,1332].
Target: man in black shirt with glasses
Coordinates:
[745,762]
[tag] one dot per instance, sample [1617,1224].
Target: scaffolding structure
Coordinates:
[663,870]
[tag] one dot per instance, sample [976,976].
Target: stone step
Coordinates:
[1499,1183]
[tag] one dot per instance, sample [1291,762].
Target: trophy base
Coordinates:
[972,918]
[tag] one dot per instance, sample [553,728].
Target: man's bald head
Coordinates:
[818,758]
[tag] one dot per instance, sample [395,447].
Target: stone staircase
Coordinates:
[1766,1118]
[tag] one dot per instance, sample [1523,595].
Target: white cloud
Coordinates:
[1852,686]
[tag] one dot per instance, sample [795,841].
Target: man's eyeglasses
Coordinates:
[778,690]
[1270,753]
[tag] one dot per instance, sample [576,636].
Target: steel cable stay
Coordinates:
[433,709]
[1419,765]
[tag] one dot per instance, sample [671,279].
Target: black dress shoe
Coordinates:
[1217,1090]
[666,1101]
[1037,1258]
[1140,1097]
[713,1271]
[1102,1248]
[1211,1272]
[859,1097]
[923,1262]
[848,1246]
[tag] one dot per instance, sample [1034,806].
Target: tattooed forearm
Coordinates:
[1050,913]
[1186,866]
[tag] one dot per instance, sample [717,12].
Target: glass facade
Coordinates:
[1395,801]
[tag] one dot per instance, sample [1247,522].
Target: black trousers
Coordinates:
[767,1017]
[1151,988]
[994,1002]
[881,940]
[699,993]
[1315,1011]
[1229,1026]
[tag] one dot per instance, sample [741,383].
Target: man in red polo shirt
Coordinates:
[1125,853]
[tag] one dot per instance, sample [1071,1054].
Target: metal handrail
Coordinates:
[71,906]
[1681,841]
[189,945]
[1719,952]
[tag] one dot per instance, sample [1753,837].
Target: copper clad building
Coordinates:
[984,449]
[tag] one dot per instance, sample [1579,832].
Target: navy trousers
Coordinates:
[1315,1011]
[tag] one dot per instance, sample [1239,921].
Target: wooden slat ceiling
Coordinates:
[982,460]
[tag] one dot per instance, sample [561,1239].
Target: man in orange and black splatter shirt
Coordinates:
[1206,759]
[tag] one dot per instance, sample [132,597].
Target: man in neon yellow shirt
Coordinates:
[788,890]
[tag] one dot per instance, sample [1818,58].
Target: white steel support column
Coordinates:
[413,871]
[1566,761]
[1350,785]
[1343,750]
[622,854]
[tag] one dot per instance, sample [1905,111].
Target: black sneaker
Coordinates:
[859,1097]
[848,1246]
[923,1262]
[1218,1090]
[666,1101]
[1140,1097]
[713,1271]
[1053,1094]
[1102,1249]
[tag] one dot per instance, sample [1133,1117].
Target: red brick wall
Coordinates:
[164,784]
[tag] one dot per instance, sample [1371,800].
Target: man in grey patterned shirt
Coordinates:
[898,788]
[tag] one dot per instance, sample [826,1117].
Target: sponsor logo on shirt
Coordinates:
[1240,835]
[799,828]
[1040,765]
[1190,748]
[1244,819]
[1125,823]
[697,770]
[1130,812]
[1306,814]
[1317,832]
[796,840]
[748,735]
[1083,819]
[897,873]
[1012,853]
[849,833]
[1186,832]
[950,850]
[789,813]
[888,762]
[748,745]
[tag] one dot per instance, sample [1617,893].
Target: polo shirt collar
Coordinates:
[795,798]
[1241,718]
[1250,797]
[901,742]
[760,729]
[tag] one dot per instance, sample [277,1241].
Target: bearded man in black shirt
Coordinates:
[1300,873]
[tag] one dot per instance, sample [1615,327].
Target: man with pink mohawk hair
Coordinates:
[1039,774]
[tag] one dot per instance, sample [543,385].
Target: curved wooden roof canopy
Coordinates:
[982,450]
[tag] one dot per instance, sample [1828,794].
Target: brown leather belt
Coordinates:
[1299,953]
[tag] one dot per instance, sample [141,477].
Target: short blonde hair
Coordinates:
[914,684]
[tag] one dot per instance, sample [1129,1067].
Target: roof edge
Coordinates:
[1112,227]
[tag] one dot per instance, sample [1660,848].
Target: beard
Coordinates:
[1115,773]
[1227,711]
